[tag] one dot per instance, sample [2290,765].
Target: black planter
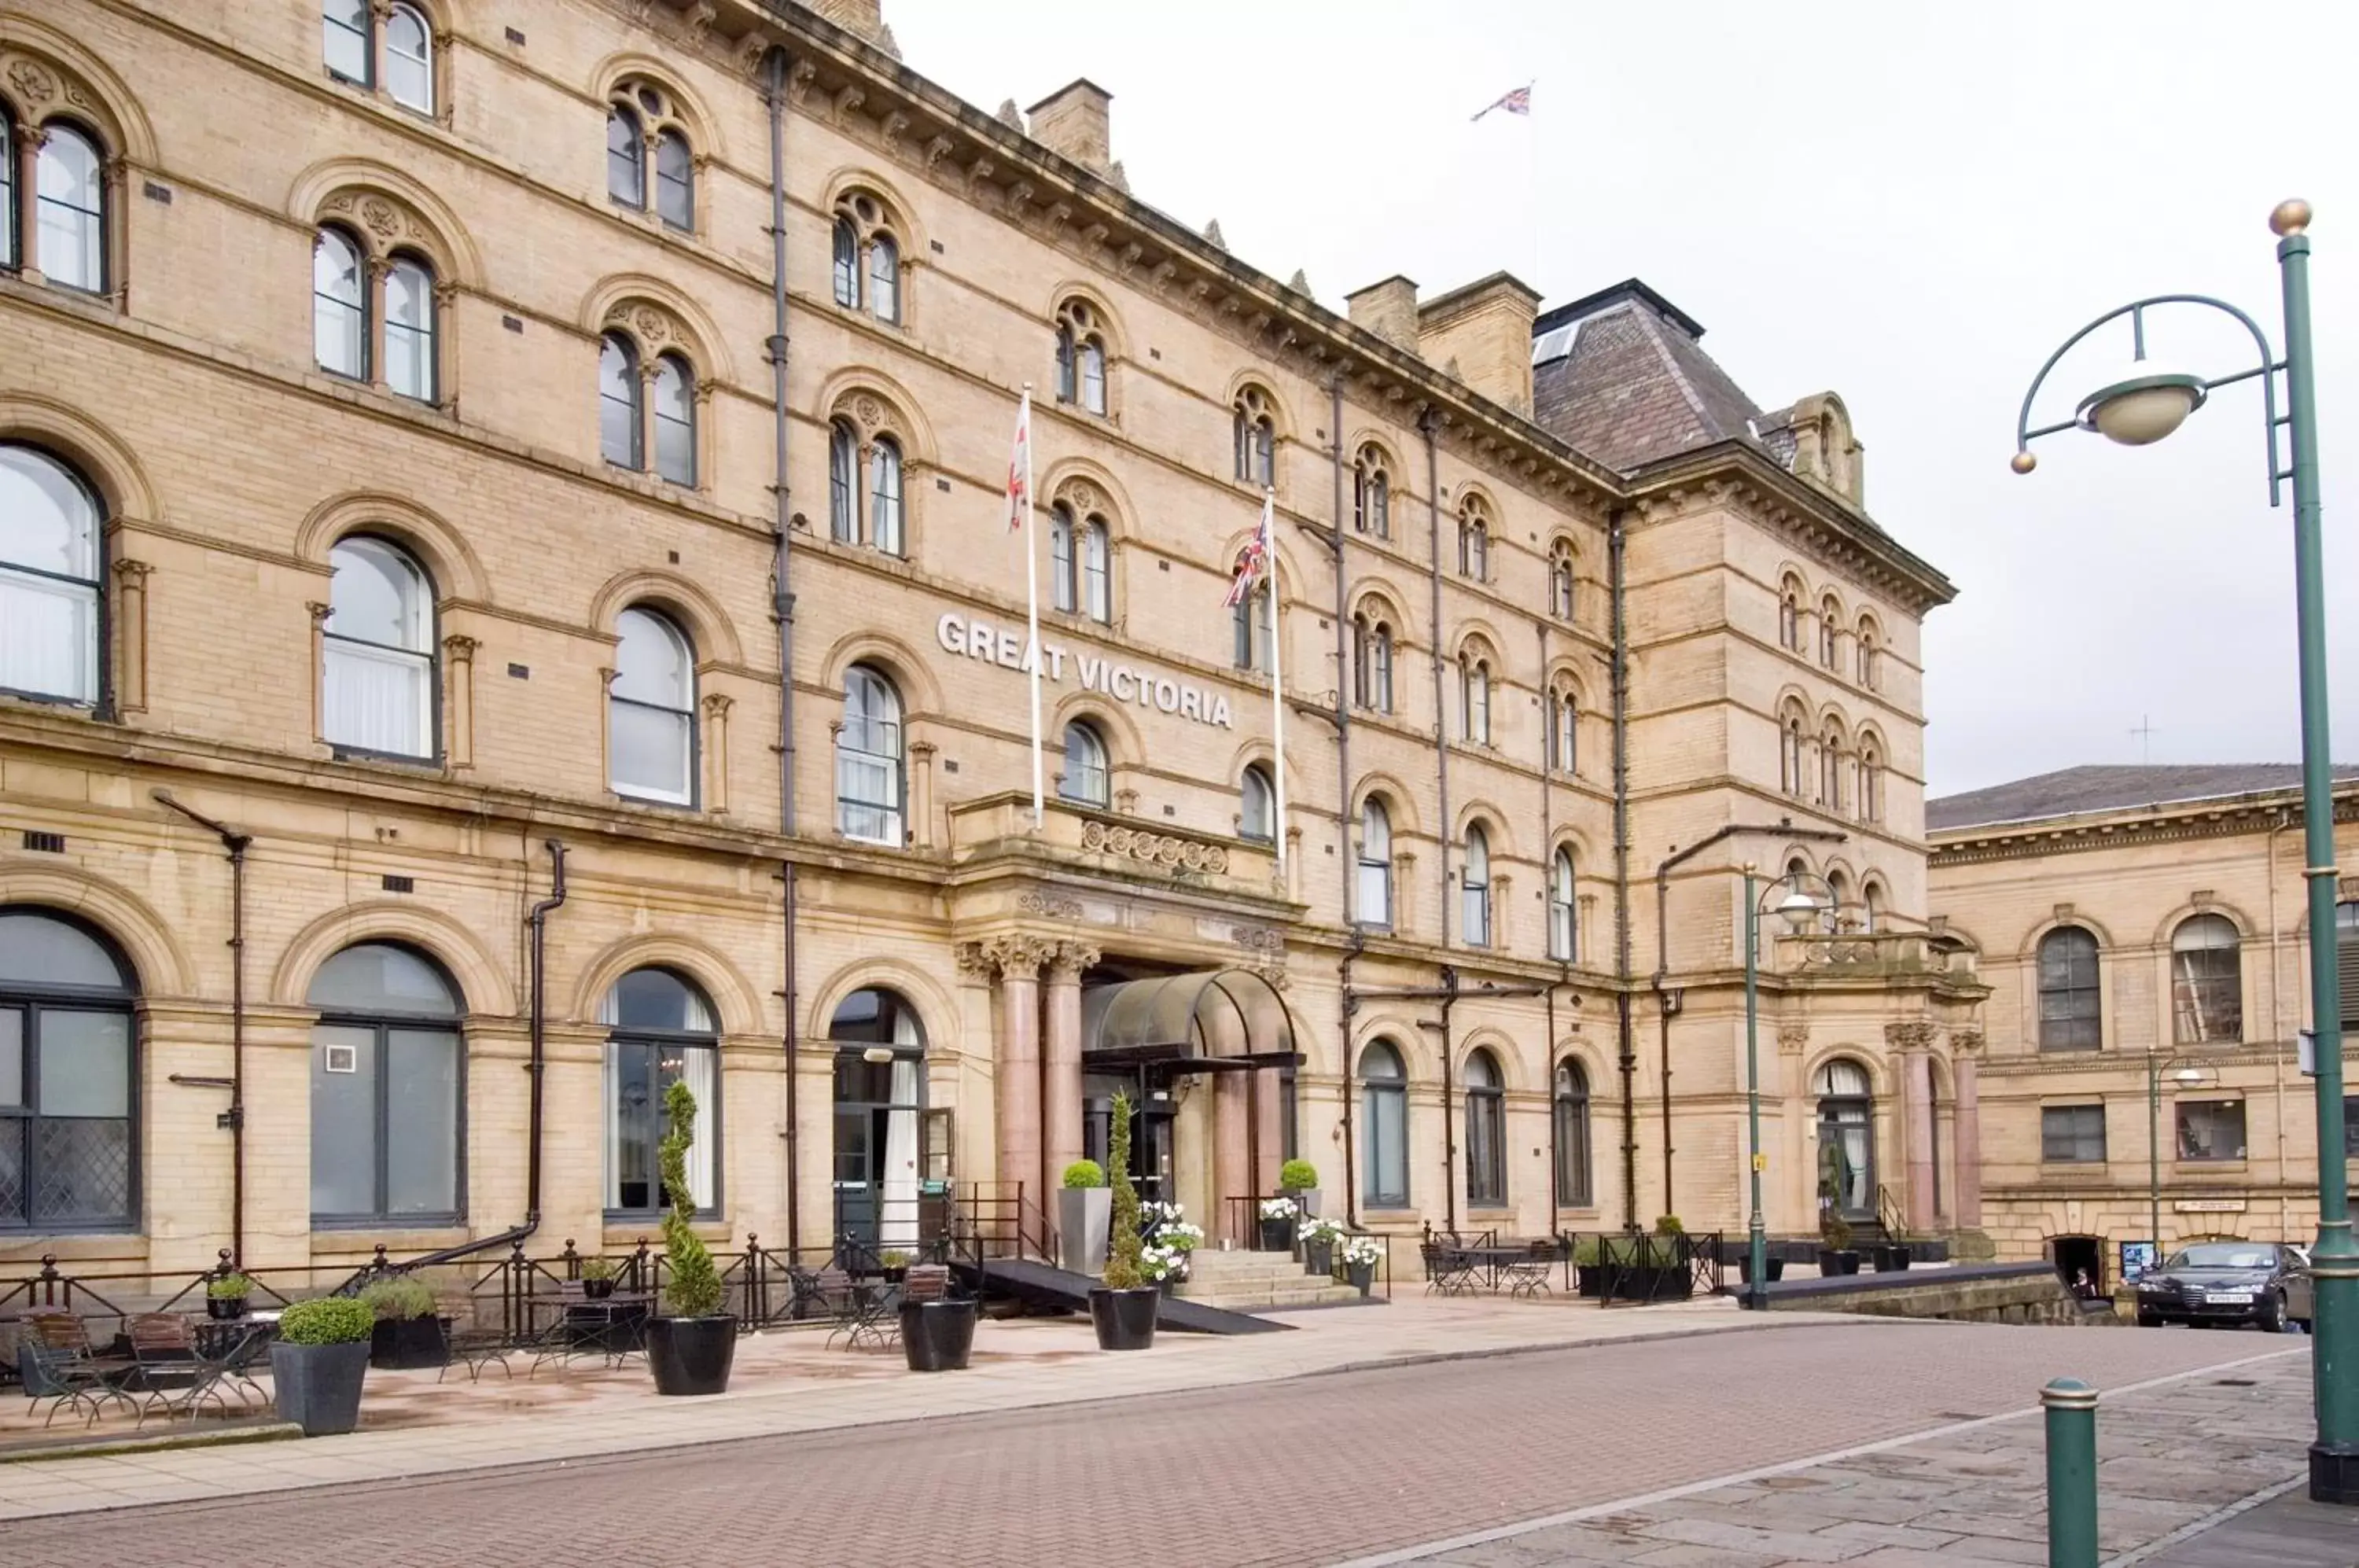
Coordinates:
[1318,1259]
[1124,1319]
[1277,1236]
[1652,1282]
[597,1289]
[400,1345]
[1589,1279]
[223,1308]
[318,1386]
[1168,1287]
[1892,1258]
[938,1336]
[1360,1276]
[691,1355]
[1831,1262]
[1776,1266]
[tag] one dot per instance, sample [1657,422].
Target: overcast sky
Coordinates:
[1908,204]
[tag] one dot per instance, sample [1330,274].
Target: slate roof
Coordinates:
[2075,791]
[1634,385]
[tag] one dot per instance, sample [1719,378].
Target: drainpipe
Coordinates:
[1449,1113]
[235,844]
[1627,1045]
[1548,905]
[538,1067]
[1350,1006]
[782,608]
[1348,1003]
[1428,425]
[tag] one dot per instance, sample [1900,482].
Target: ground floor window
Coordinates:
[67,1155]
[880,1084]
[1486,1133]
[1383,1113]
[386,1075]
[1573,1190]
[663,1034]
[2210,1130]
[1846,1137]
[2073,1135]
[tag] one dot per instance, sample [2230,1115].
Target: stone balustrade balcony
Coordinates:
[1000,826]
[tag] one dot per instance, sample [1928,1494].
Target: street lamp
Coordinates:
[2187,1076]
[2146,406]
[1800,908]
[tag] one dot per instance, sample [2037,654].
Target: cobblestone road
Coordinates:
[1311,1471]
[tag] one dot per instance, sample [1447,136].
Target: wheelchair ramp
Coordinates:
[1041,1285]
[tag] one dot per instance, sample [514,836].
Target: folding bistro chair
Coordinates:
[468,1343]
[175,1376]
[1449,1271]
[1529,1276]
[73,1375]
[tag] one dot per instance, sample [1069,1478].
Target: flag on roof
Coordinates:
[1519,102]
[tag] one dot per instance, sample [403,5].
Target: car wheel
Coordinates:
[2272,1317]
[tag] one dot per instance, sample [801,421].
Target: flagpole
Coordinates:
[1277,688]
[1032,603]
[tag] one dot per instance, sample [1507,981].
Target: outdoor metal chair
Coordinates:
[809,1301]
[72,1373]
[467,1342]
[863,1312]
[175,1376]
[1448,1270]
[1529,1276]
[925,1282]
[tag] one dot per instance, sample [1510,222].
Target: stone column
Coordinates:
[921,803]
[131,613]
[714,752]
[1917,1116]
[1017,1085]
[459,698]
[1061,1079]
[1233,1174]
[1965,1068]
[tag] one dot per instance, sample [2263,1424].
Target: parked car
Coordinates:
[2231,1282]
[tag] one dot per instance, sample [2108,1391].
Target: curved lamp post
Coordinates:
[2142,407]
[1798,899]
[2185,1072]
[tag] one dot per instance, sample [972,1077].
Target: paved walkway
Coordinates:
[2287,1532]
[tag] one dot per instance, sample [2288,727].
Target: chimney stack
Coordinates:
[1072,123]
[1388,308]
[1486,328]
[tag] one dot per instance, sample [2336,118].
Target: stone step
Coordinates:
[1257,1279]
[1312,1293]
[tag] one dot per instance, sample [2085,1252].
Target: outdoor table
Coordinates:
[1494,1262]
[235,1345]
[612,1326]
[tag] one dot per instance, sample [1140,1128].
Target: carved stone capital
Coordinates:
[1911,1035]
[1068,959]
[1965,1041]
[320,612]
[461,648]
[1007,957]
[717,706]
[1793,1039]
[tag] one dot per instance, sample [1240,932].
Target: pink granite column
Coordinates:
[1233,1174]
[1018,1076]
[1269,1131]
[1917,1091]
[1965,1071]
[1061,1084]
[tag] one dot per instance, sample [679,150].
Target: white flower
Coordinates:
[1278,1209]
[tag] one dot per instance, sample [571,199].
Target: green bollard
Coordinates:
[2072,1407]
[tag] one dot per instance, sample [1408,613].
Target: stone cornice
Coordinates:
[2227,817]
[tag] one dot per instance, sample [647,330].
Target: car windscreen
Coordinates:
[2221,1257]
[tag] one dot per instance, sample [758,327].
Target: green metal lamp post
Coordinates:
[2189,1074]
[1800,908]
[2146,406]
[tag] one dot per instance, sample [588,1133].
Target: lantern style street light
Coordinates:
[1797,898]
[2135,409]
[2185,1072]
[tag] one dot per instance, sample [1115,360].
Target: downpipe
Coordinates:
[537,1067]
[234,844]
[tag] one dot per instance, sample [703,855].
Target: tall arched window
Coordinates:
[843,483]
[340,334]
[1561,582]
[344,42]
[1372,662]
[1830,763]
[885,277]
[1064,566]
[621,425]
[626,157]
[869,773]
[662,1032]
[846,269]
[1789,615]
[8,258]
[675,411]
[410,329]
[51,557]
[651,724]
[1871,782]
[409,58]
[377,686]
[2207,981]
[1384,1111]
[1839,916]
[1486,1133]
[885,494]
[1572,1189]
[388,1083]
[1474,889]
[1258,813]
[1080,358]
[1564,730]
[1846,1139]
[1371,498]
[880,1136]
[1256,431]
[1473,544]
[1097,570]
[69,1155]
[1564,944]
[1085,780]
[1249,628]
[2069,1011]
[867,257]
[1375,899]
[1871,895]
[2346,952]
[1866,652]
[675,181]
[1830,630]
[1474,697]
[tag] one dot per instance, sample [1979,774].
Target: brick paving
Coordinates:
[1313,1470]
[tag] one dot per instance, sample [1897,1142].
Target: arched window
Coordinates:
[1084,782]
[626,157]
[885,494]
[869,774]
[1249,628]
[1871,906]
[880,1098]
[843,483]
[409,58]
[1474,543]
[1486,1133]
[1371,498]
[1838,916]
[885,277]
[2207,981]
[1830,630]
[68,1149]
[620,423]
[2069,1011]
[651,724]
[662,1032]
[1474,698]
[1080,358]
[344,41]
[847,264]
[675,181]
[1789,617]
[675,411]
[1257,817]
[1846,1139]
[1866,652]
[1474,889]
[1564,935]
[387,1081]
[1573,1190]
[1375,887]
[1871,782]
[1372,662]
[340,334]
[1077,561]
[377,686]
[1255,430]
[1384,1111]
[1830,761]
[1564,730]
[1097,570]
[867,257]
[1561,582]
[52,535]
[410,329]
[8,258]
[1064,566]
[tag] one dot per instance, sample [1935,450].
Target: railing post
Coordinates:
[2072,1407]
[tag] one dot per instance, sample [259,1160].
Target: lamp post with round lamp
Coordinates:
[1797,900]
[2185,1074]
[2137,410]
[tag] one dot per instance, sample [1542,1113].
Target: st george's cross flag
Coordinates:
[1519,102]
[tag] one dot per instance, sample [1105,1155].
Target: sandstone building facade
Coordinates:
[506,601]
[2145,936]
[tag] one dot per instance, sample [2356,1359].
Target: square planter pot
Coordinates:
[1125,1320]
[224,1309]
[1360,1276]
[318,1386]
[1277,1235]
[400,1345]
[1831,1263]
[1318,1259]
[938,1336]
[1775,1267]
[691,1355]
[1084,1217]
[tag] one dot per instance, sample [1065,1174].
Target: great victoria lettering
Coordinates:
[1010,649]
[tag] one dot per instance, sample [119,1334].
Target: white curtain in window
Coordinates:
[901,1184]
[408,60]
[379,699]
[48,637]
[700,1070]
[409,330]
[885,279]
[885,497]
[1097,594]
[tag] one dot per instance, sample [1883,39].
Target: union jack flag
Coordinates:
[1019,468]
[1519,102]
[1253,561]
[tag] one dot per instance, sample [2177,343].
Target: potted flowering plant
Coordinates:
[1123,1311]
[598,1277]
[1278,1217]
[407,1334]
[1319,1238]
[1361,1256]
[225,1296]
[1168,1241]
